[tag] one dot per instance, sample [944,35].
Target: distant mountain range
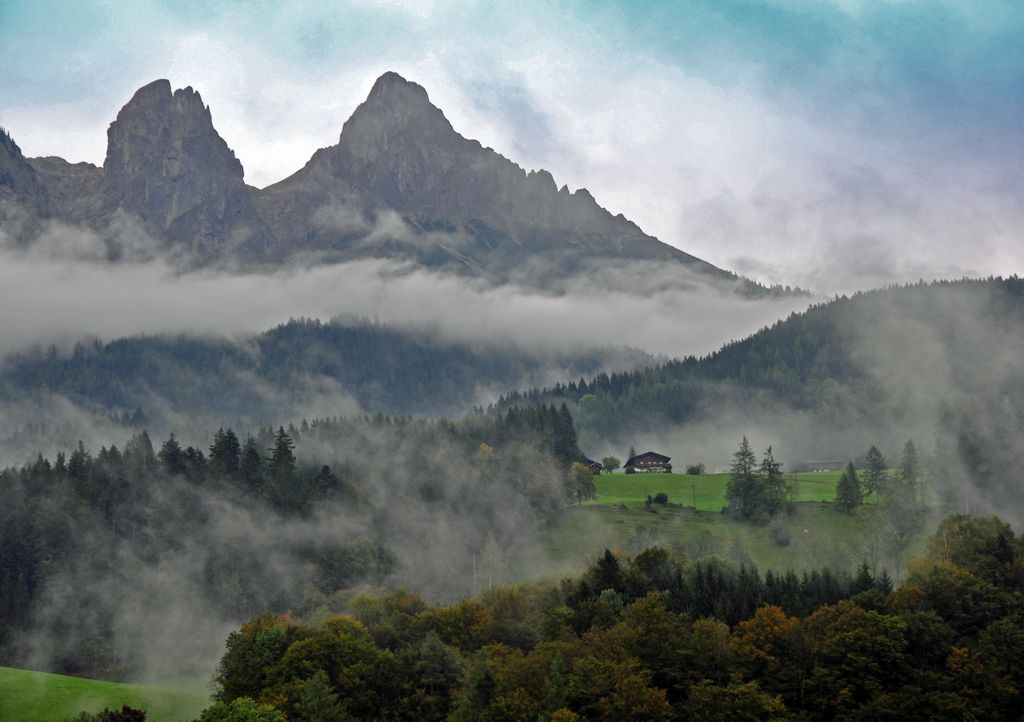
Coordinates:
[401,183]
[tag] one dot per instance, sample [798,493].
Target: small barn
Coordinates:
[594,467]
[649,462]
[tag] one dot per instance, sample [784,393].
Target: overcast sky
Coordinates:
[837,145]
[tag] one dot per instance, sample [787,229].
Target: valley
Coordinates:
[325,328]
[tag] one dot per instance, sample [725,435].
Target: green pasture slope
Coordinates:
[816,534]
[27,696]
[708,489]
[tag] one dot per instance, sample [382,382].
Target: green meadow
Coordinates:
[706,492]
[27,696]
[815,534]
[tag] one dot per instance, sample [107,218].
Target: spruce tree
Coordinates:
[282,470]
[876,473]
[774,483]
[250,465]
[566,447]
[741,492]
[225,454]
[848,491]
[172,457]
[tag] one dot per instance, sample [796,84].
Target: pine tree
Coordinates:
[225,453]
[774,483]
[606,573]
[282,469]
[742,490]
[172,457]
[876,473]
[250,465]
[566,447]
[79,463]
[848,491]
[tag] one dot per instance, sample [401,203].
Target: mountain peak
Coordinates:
[393,84]
[397,112]
[150,92]
[156,102]
[166,163]
[393,99]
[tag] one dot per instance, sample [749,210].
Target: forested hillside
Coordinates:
[140,558]
[303,368]
[930,361]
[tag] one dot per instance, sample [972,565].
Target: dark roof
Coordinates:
[648,456]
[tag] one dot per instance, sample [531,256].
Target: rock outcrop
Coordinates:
[167,164]
[23,197]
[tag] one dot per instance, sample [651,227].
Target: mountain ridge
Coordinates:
[400,183]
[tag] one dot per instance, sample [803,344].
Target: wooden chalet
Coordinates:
[649,461]
[594,467]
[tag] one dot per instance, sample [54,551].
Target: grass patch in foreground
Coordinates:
[27,696]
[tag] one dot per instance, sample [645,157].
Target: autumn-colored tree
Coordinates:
[735,702]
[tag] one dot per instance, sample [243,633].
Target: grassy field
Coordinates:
[816,534]
[708,489]
[27,696]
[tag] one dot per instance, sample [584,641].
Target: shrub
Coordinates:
[661,498]
[780,534]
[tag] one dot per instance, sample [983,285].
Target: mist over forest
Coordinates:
[338,396]
[936,363]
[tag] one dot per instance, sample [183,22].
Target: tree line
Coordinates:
[656,637]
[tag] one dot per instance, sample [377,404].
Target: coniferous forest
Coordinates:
[325,329]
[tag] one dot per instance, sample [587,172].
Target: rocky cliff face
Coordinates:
[23,197]
[400,183]
[167,164]
[461,203]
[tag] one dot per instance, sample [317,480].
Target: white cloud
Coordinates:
[72,299]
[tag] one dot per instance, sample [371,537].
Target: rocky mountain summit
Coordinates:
[400,183]
[167,163]
[23,197]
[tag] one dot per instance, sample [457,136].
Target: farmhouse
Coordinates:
[821,465]
[649,461]
[593,467]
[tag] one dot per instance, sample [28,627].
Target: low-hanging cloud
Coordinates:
[46,298]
